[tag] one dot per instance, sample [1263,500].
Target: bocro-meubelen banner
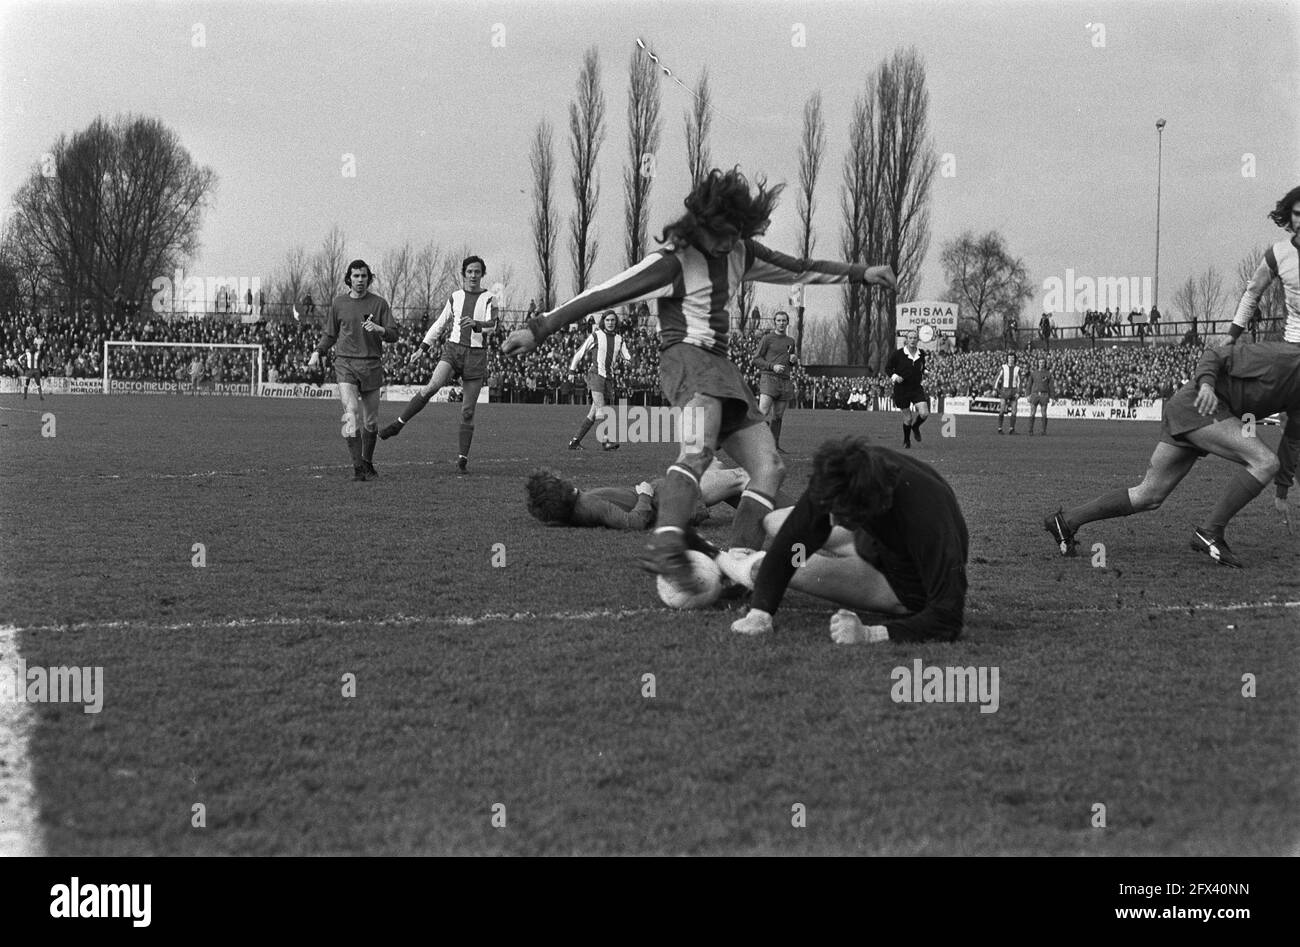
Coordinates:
[1098,409]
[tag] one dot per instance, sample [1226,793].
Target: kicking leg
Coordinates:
[754,449]
[350,395]
[440,378]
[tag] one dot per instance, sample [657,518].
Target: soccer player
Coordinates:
[707,253]
[558,502]
[1205,417]
[609,346]
[906,369]
[32,362]
[196,374]
[359,322]
[469,315]
[1040,393]
[1281,261]
[776,357]
[901,550]
[1009,386]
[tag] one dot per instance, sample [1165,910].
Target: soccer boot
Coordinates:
[1216,549]
[608,445]
[665,554]
[575,444]
[462,464]
[1061,532]
[359,474]
[371,472]
[741,565]
[391,430]
[916,432]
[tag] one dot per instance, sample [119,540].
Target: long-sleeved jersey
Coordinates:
[608,345]
[468,314]
[343,327]
[695,290]
[775,348]
[1260,379]
[1040,382]
[1283,261]
[919,544]
[912,371]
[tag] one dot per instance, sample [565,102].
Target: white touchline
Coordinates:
[20,833]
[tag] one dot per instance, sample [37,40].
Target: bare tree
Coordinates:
[586,133]
[327,265]
[1272,302]
[822,342]
[861,228]
[698,121]
[643,126]
[290,280]
[1209,297]
[427,286]
[985,280]
[122,207]
[812,148]
[545,221]
[395,269]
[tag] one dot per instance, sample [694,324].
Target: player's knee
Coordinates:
[696,459]
[1266,467]
[467,414]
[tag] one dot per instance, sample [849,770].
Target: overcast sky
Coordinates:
[1047,109]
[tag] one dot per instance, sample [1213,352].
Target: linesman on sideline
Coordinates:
[1205,416]
[359,323]
[609,347]
[1281,261]
[470,315]
[906,369]
[899,550]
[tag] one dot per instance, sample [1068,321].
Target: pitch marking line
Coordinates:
[20,834]
[464,621]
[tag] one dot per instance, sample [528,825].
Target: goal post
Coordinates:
[165,366]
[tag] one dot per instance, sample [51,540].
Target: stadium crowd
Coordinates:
[73,346]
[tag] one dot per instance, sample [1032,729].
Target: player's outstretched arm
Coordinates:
[1259,281]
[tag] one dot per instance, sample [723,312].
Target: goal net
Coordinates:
[209,368]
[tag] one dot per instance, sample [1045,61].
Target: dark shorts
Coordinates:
[34,374]
[601,385]
[777,387]
[1038,398]
[687,370]
[1180,418]
[366,373]
[468,363]
[904,398]
[1009,397]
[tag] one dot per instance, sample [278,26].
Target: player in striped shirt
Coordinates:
[359,323]
[695,275]
[776,357]
[468,316]
[1281,261]
[608,346]
[32,362]
[1009,386]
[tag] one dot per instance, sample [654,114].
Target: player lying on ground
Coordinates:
[558,502]
[707,254]
[1205,416]
[892,540]
[1281,261]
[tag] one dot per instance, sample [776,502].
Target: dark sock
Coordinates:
[677,499]
[1242,488]
[368,444]
[582,431]
[466,435]
[1105,507]
[413,407]
[916,425]
[354,448]
[776,430]
[747,525]
[907,433]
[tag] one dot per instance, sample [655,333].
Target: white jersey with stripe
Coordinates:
[608,346]
[466,309]
[695,291]
[1009,377]
[32,355]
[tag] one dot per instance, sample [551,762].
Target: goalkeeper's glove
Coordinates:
[846,628]
[757,622]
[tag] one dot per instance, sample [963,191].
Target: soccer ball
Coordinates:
[706,570]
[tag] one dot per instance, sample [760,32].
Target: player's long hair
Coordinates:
[853,480]
[723,205]
[1281,214]
[551,498]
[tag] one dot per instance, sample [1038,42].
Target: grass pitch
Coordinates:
[505,709]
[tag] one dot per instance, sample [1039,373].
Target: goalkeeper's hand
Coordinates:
[646,488]
[757,622]
[846,628]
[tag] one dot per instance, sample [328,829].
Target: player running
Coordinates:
[32,354]
[359,322]
[892,540]
[906,369]
[776,357]
[707,253]
[1281,261]
[609,347]
[1205,417]
[469,315]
